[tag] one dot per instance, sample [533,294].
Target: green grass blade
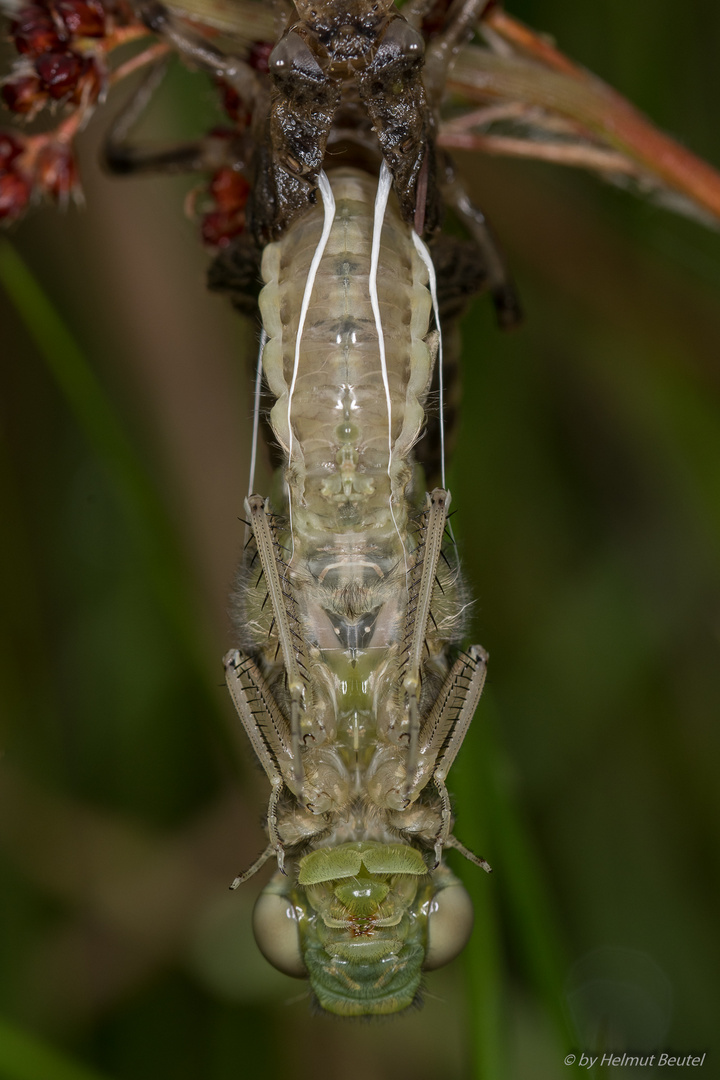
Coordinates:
[494,828]
[98,419]
[24,1057]
[529,905]
[483,965]
[484,960]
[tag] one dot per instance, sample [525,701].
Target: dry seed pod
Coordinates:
[35,32]
[24,94]
[15,191]
[83,18]
[11,146]
[56,172]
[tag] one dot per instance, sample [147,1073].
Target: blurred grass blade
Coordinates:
[529,904]
[98,419]
[484,967]
[24,1057]
[496,830]
[77,382]
[484,960]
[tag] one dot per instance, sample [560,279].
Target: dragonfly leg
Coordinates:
[465,684]
[468,679]
[442,735]
[267,730]
[257,865]
[289,639]
[445,838]
[236,272]
[193,47]
[275,842]
[476,860]
[419,614]
[446,821]
[501,286]
[122,157]
[463,17]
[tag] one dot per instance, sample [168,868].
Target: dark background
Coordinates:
[587,480]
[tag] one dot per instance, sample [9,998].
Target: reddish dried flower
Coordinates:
[89,83]
[10,148]
[260,54]
[56,172]
[34,32]
[219,227]
[230,190]
[23,94]
[223,133]
[14,195]
[59,72]
[83,18]
[234,105]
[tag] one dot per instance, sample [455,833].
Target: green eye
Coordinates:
[276,932]
[450,924]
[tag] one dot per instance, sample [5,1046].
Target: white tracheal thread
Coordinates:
[256,424]
[329,207]
[422,250]
[381,201]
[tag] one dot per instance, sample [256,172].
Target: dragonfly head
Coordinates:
[363,923]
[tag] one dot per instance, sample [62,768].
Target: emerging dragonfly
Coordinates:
[348,677]
[346,682]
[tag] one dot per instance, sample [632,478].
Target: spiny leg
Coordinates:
[267,730]
[501,286]
[266,544]
[199,51]
[444,730]
[432,541]
[416,11]
[462,18]
[122,157]
[467,690]
[252,870]
[476,860]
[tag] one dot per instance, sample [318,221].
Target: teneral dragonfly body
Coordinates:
[348,678]
[344,682]
[347,675]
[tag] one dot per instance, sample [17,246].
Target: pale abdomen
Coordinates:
[347,458]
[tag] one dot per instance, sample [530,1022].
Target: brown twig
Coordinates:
[148,56]
[529,42]
[481,76]
[569,154]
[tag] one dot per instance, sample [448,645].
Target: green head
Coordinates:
[362,922]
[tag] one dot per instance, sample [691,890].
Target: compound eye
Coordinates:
[291,59]
[402,43]
[450,924]
[276,933]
